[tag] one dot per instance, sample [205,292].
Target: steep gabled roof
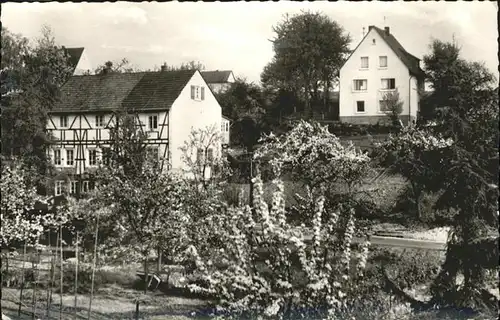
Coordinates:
[74,55]
[409,60]
[216,76]
[157,90]
[108,92]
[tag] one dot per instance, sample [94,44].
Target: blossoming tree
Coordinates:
[264,267]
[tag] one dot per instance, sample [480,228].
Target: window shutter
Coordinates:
[192,92]
[202,93]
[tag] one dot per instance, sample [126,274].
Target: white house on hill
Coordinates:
[379,64]
[168,104]
[219,81]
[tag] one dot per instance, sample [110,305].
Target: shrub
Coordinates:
[267,270]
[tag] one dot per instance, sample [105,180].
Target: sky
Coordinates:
[235,36]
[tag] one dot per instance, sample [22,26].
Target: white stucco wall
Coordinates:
[373,74]
[187,114]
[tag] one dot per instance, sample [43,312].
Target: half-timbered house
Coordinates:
[168,106]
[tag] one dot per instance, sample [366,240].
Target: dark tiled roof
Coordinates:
[216,76]
[411,62]
[143,90]
[74,55]
[157,90]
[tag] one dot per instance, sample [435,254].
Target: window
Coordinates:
[199,155]
[63,121]
[153,122]
[360,85]
[382,61]
[382,106]
[373,41]
[58,190]
[92,157]
[70,157]
[106,156]
[85,186]
[152,153]
[197,93]
[227,126]
[99,121]
[210,155]
[360,106]
[364,62]
[388,84]
[73,187]
[57,157]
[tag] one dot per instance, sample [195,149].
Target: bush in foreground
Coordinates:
[265,269]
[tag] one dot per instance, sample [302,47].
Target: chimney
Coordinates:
[164,67]
[370,28]
[387,30]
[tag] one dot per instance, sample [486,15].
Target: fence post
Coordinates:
[22,281]
[76,274]
[137,309]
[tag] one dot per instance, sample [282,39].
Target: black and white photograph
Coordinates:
[267,160]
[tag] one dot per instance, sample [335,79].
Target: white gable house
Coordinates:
[378,65]
[168,105]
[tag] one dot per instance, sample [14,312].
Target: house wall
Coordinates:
[186,115]
[373,74]
[225,124]
[82,135]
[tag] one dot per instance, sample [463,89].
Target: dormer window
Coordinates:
[198,93]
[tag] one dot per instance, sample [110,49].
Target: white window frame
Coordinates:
[57,160]
[198,93]
[380,58]
[92,152]
[364,106]
[58,187]
[73,187]
[99,121]
[355,81]
[367,59]
[63,121]
[388,84]
[153,126]
[72,157]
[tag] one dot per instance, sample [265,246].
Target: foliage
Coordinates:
[264,268]
[123,66]
[314,156]
[190,65]
[21,221]
[392,105]
[31,76]
[415,153]
[244,103]
[202,156]
[464,165]
[309,49]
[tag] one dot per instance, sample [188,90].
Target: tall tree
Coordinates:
[245,104]
[31,76]
[309,49]
[115,67]
[466,170]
